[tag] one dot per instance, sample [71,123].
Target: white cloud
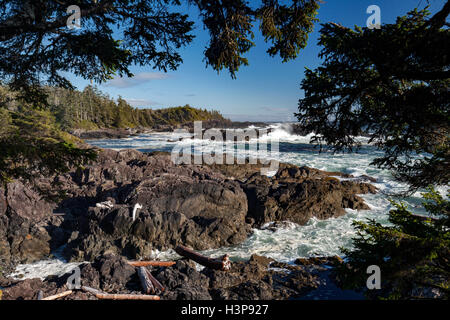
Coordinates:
[138,79]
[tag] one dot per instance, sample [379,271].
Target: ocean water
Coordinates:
[316,238]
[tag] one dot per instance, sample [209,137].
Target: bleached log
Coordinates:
[107,296]
[137,206]
[59,295]
[223,264]
[156,284]
[91,290]
[147,285]
[105,205]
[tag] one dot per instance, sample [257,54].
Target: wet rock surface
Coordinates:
[255,279]
[192,205]
[199,206]
[297,194]
[26,226]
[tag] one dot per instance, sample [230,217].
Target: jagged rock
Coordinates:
[180,204]
[115,231]
[24,290]
[106,133]
[203,207]
[26,225]
[299,193]
[115,273]
[253,279]
[335,260]
[183,282]
[296,193]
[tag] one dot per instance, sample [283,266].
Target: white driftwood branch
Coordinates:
[135,209]
[59,295]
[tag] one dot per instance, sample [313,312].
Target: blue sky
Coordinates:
[266,90]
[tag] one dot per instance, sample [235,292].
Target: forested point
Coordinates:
[92,109]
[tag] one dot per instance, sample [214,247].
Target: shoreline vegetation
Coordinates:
[91,114]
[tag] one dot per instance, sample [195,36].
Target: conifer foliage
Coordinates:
[37,49]
[391,84]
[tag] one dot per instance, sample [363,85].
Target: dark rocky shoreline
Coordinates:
[259,278]
[199,206]
[120,133]
[108,133]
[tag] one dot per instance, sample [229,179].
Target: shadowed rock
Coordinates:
[199,206]
[252,279]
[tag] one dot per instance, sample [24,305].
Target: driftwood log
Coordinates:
[148,281]
[223,264]
[152,263]
[91,290]
[59,295]
[106,296]
[146,284]
[156,284]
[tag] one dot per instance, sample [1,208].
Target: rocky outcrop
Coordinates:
[254,279]
[297,193]
[199,206]
[107,133]
[114,231]
[26,226]
[227,124]
[120,133]
[190,204]
[180,204]
[259,278]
